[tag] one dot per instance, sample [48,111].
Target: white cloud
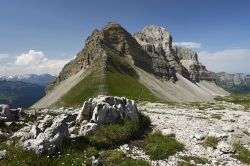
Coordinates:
[33,62]
[231,60]
[31,58]
[187,44]
[3,56]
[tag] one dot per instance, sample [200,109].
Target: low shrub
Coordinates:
[159,147]
[243,154]
[113,135]
[211,142]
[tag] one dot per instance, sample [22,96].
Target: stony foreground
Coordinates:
[192,126]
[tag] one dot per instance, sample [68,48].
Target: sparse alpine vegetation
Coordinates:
[160,147]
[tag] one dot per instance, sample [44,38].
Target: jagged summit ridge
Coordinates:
[115,63]
[169,60]
[111,39]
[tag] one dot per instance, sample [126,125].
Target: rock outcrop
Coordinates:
[157,42]
[46,135]
[5,113]
[237,82]
[169,60]
[189,59]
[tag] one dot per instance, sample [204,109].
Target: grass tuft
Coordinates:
[243,154]
[211,142]
[160,147]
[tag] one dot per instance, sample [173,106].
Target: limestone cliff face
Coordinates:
[169,60]
[189,59]
[158,44]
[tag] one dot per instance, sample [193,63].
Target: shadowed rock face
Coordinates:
[189,59]
[158,44]
[169,60]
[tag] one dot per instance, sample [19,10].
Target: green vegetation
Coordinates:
[196,159]
[243,154]
[237,98]
[80,151]
[86,88]
[122,80]
[73,152]
[211,142]
[216,116]
[112,135]
[159,147]
[118,78]
[115,158]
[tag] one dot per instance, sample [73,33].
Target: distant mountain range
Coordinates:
[237,82]
[41,79]
[23,90]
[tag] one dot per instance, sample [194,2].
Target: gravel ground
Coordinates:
[191,126]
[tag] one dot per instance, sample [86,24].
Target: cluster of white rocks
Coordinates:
[47,134]
[192,126]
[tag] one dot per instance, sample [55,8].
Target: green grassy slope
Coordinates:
[118,78]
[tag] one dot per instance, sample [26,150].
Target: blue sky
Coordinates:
[45,34]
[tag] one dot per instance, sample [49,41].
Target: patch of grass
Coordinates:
[159,147]
[237,98]
[122,80]
[243,154]
[211,142]
[118,78]
[112,135]
[216,116]
[196,159]
[115,158]
[88,87]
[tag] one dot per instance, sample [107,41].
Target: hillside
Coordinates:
[19,94]
[113,62]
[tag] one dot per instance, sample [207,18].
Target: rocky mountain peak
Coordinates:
[155,35]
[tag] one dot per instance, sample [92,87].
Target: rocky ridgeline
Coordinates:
[112,39]
[169,60]
[47,134]
[237,82]
[151,50]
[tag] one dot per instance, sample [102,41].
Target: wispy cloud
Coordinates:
[187,44]
[231,60]
[3,56]
[33,62]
